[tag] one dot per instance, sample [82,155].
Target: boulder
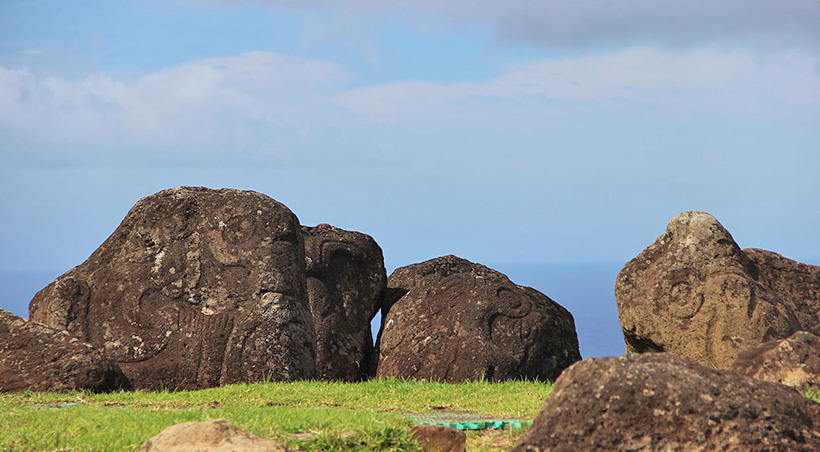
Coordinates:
[794,361]
[695,293]
[438,438]
[196,288]
[345,282]
[452,320]
[661,402]
[36,357]
[209,436]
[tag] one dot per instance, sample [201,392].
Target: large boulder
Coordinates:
[452,320]
[695,293]
[36,357]
[195,288]
[661,402]
[794,361]
[345,281]
[218,435]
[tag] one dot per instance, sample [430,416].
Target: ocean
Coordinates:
[586,290]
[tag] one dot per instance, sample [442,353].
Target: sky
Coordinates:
[502,132]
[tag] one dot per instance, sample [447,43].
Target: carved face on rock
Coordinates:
[190,275]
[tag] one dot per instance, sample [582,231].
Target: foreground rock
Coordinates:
[36,357]
[452,320]
[793,362]
[661,402]
[196,288]
[695,293]
[345,281]
[210,436]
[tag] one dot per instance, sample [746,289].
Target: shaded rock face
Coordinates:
[210,436]
[695,293]
[36,357]
[661,402]
[195,288]
[345,281]
[452,320]
[793,362]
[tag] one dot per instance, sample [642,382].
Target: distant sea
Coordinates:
[586,290]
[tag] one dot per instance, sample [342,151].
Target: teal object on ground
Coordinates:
[468,421]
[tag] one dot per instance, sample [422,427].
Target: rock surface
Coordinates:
[345,281]
[438,438]
[452,320]
[36,357]
[695,293]
[661,402]
[793,362]
[209,436]
[195,288]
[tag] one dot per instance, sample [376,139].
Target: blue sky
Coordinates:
[516,131]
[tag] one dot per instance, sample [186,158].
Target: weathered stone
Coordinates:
[195,288]
[438,438]
[793,362]
[661,402]
[695,293]
[36,357]
[345,281]
[209,436]
[452,320]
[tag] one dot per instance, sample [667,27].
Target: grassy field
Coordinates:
[310,416]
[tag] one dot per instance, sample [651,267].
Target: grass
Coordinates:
[309,416]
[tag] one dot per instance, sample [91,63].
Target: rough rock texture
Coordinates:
[661,402]
[793,362]
[209,436]
[195,288]
[40,358]
[345,281]
[438,438]
[452,320]
[695,293]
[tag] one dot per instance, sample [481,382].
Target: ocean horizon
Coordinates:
[585,289]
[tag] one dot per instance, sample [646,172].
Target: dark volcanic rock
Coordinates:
[195,288]
[345,281]
[793,362]
[209,436]
[695,293]
[438,438]
[661,402]
[40,358]
[450,319]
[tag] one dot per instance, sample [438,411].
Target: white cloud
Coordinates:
[207,104]
[699,80]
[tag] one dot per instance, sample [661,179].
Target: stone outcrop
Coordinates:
[209,436]
[794,361]
[195,288]
[695,293]
[452,320]
[345,281]
[36,357]
[661,402]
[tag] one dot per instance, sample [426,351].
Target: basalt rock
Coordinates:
[36,357]
[209,436]
[695,293]
[345,281]
[661,402]
[452,320]
[793,362]
[196,288]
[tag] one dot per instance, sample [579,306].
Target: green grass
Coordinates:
[337,416]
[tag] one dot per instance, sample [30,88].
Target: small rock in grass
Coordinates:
[209,436]
[438,438]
